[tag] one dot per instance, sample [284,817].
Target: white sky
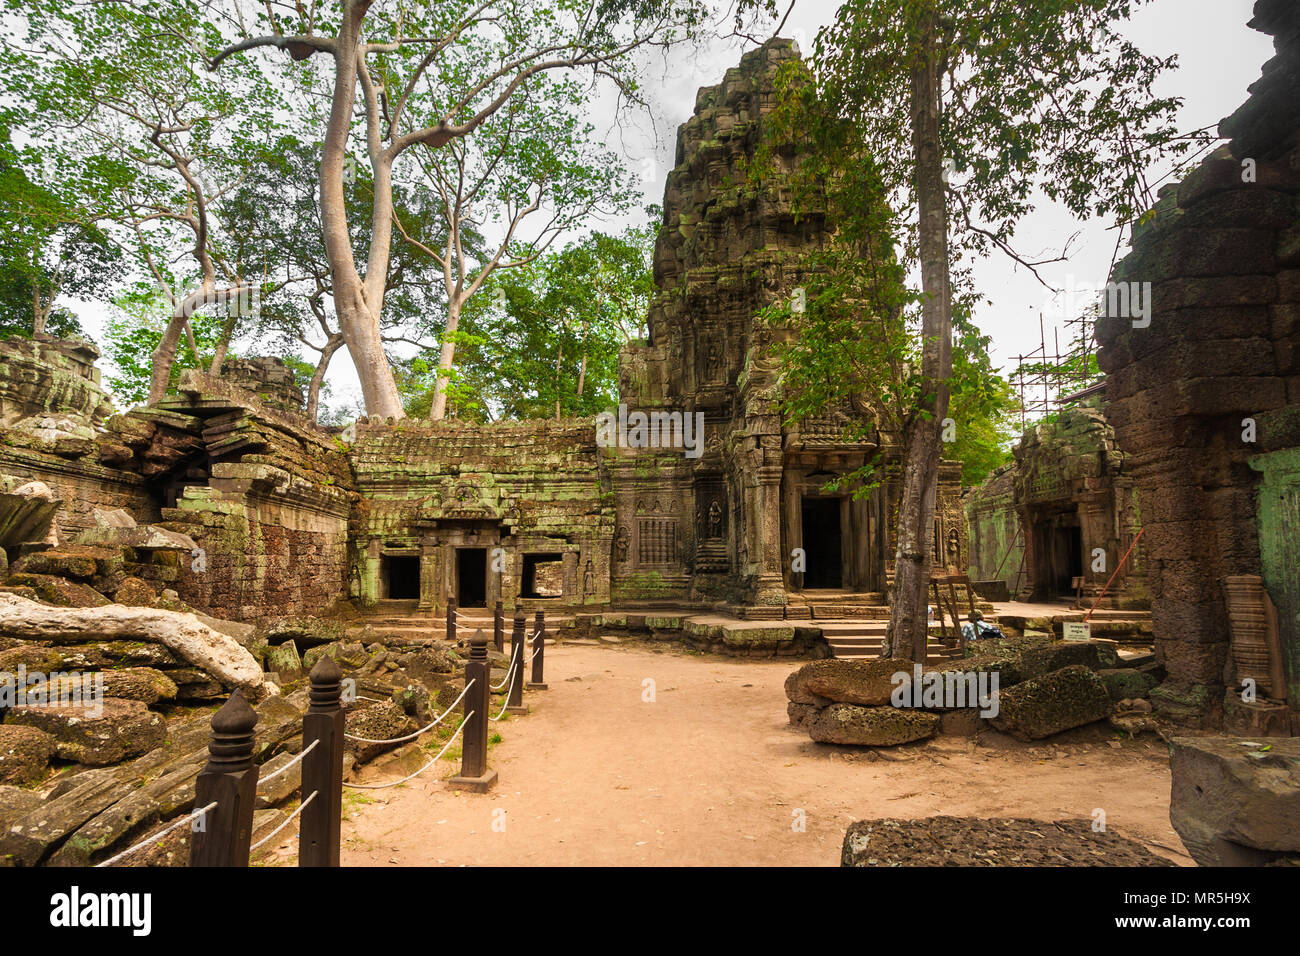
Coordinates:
[1219,56]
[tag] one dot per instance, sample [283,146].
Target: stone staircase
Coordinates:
[404,621]
[862,640]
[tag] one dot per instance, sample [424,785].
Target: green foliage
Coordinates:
[586,300]
[134,330]
[45,252]
[1040,96]
[851,339]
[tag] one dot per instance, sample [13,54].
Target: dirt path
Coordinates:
[710,773]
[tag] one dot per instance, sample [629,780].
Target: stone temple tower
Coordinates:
[721,526]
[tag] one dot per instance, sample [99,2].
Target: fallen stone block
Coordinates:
[1070,697]
[135,592]
[28,840]
[800,714]
[283,659]
[973,841]
[58,591]
[1124,682]
[1235,801]
[870,726]
[868,683]
[380,720]
[109,732]
[25,752]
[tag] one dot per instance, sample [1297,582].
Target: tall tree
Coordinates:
[970,107]
[299,315]
[158,141]
[528,175]
[428,75]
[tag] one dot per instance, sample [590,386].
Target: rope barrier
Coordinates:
[271,776]
[505,705]
[400,740]
[394,783]
[505,680]
[536,647]
[158,836]
[272,835]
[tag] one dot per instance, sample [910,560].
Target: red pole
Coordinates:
[1112,577]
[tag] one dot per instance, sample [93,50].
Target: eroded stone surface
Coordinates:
[120,729]
[1234,801]
[1046,705]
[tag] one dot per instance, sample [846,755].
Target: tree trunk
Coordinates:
[219,655]
[559,357]
[164,356]
[358,318]
[908,616]
[223,344]
[318,376]
[446,356]
[39,314]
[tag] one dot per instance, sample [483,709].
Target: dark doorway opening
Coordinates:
[543,576]
[1067,558]
[822,543]
[1059,547]
[401,577]
[471,577]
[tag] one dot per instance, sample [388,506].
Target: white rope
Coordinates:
[271,776]
[436,722]
[445,748]
[272,835]
[158,836]
[503,706]
[506,680]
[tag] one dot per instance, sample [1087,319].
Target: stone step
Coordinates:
[836,611]
[853,628]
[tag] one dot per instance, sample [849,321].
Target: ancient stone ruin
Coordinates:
[218,541]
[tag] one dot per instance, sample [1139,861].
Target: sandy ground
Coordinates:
[710,773]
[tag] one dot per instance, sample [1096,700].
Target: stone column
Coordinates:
[429,596]
[766,522]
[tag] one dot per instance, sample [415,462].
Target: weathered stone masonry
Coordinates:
[1206,400]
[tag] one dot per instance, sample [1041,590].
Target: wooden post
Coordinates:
[224,835]
[515,688]
[451,619]
[322,769]
[474,773]
[499,628]
[539,647]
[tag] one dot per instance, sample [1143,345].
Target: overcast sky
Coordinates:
[1219,56]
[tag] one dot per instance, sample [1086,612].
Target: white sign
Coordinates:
[1076,631]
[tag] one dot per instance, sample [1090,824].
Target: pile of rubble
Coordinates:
[108,682]
[1028,687]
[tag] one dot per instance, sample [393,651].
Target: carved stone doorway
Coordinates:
[471,577]
[823,542]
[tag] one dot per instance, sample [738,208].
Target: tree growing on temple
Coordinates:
[967,108]
[118,114]
[427,75]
